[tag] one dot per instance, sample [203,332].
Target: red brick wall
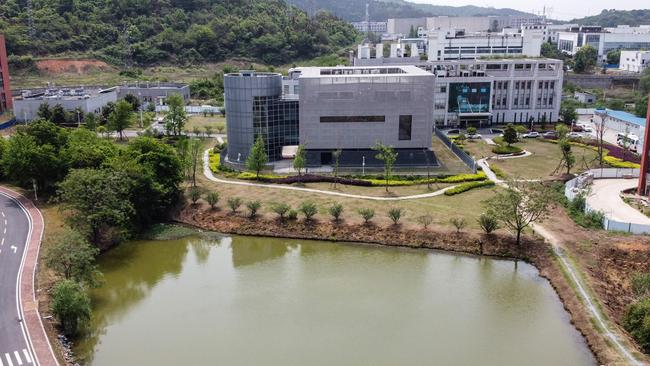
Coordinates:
[5,89]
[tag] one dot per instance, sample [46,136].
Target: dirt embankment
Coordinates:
[534,251]
[58,66]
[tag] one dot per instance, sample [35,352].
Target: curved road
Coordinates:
[17,260]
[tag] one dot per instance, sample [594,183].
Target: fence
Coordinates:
[462,155]
[609,224]
[192,109]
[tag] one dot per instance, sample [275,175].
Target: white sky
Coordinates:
[559,9]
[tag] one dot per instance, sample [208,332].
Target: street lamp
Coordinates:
[363,165]
[78,119]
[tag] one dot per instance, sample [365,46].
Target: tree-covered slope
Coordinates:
[144,32]
[354,10]
[612,18]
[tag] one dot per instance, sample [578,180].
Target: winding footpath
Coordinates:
[22,337]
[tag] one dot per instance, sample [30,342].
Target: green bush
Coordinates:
[71,306]
[641,284]
[637,322]
[367,214]
[335,211]
[590,220]
[309,209]
[292,215]
[505,149]
[619,163]
[464,187]
[253,207]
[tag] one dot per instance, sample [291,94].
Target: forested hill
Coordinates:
[612,18]
[145,32]
[355,10]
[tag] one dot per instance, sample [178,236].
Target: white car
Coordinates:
[574,135]
[531,135]
[475,136]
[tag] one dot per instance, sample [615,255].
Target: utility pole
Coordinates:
[645,163]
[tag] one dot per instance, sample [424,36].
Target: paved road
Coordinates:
[605,197]
[15,350]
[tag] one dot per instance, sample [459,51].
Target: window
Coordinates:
[405,127]
[343,119]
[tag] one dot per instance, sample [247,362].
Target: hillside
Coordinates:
[612,18]
[354,10]
[146,32]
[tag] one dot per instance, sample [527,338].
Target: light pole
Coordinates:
[363,166]
[78,119]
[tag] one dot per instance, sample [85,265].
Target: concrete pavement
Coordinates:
[605,197]
[22,338]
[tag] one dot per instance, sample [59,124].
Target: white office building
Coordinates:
[634,61]
[375,27]
[452,44]
[604,40]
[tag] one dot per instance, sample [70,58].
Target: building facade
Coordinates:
[634,61]
[5,88]
[375,27]
[481,92]
[625,38]
[86,100]
[584,97]
[353,108]
[255,106]
[453,44]
[154,92]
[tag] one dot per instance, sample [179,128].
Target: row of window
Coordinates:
[404,129]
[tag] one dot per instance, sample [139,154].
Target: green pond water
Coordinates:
[261,301]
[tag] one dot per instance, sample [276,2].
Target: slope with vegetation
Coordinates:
[145,32]
[613,17]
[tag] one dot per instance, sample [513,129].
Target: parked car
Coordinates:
[531,135]
[578,128]
[574,135]
[476,136]
[453,132]
[587,129]
[496,130]
[549,134]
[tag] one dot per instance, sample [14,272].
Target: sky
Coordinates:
[559,9]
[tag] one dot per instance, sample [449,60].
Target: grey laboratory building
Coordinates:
[333,108]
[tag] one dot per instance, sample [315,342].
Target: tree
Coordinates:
[71,306]
[568,111]
[471,130]
[425,221]
[614,57]
[585,59]
[253,207]
[309,209]
[196,130]
[257,158]
[300,160]
[562,131]
[176,118]
[90,121]
[195,157]
[212,198]
[44,112]
[568,159]
[488,223]
[84,149]
[641,106]
[97,202]
[133,101]
[195,194]
[599,129]
[25,161]
[395,214]
[208,131]
[234,203]
[58,115]
[73,258]
[280,209]
[519,205]
[336,154]
[121,118]
[459,223]
[367,214]
[510,134]
[335,210]
[388,155]
[616,104]
[644,82]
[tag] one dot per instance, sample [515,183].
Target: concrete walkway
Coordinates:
[208,174]
[605,197]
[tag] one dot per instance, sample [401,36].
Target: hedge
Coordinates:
[214,161]
[468,186]
[619,163]
[505,149]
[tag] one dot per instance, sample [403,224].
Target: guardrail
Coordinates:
[608,224]
[462,155]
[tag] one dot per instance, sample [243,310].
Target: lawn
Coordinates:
[545,159]
[200,121]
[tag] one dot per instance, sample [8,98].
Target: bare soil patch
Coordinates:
[57,66]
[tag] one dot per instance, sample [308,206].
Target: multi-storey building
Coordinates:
[5,89]
[621,38]
[154,92]
[481,92]
[375,27]
[634,61]
[453,44]
[86,100]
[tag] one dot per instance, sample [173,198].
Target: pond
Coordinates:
[263,301]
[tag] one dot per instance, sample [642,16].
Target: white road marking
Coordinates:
[9,360]
[3,214]
[1,361]
[14,248]
[28,358]
[5,222]
[20,361]
[2,243]
[5,230]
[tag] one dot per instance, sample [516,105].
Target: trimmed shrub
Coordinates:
[280,209]
[459,223]
[195,194]
[505,149]
[335,211]
[309,209]
[367,214]
[212,198]
[425,221]
[234,203]
[464,187]
[619,163]
[292,215]
[395,214]
[253,207]
[488,223]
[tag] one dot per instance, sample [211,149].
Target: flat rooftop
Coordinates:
[401,70]
[63,93]
[623,116]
